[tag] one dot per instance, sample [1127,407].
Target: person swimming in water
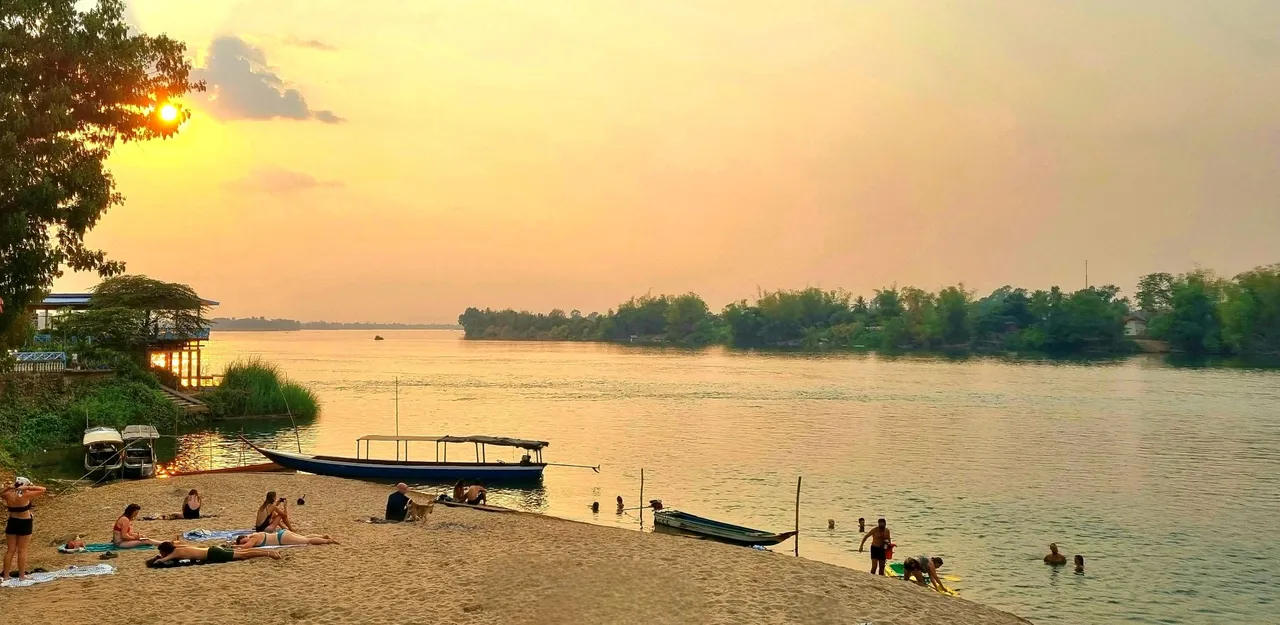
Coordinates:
[1054,558]
[1079,563]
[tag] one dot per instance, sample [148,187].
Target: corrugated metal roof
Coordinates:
[82,299]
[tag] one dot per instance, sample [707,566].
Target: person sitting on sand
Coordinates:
[170,551]
[191,505]
[879,536]
[458,490]
[1079,563]
[475,495]
[920,566]
[273,514]
[398,503]
[282,537]
[1054,558]
[122,534]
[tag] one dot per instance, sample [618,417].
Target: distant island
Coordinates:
[1195,313]
[262,324]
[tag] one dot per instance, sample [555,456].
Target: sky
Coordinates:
[400,160]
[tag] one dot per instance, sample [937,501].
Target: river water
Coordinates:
[1166,479]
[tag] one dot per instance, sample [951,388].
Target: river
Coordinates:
[1166,479]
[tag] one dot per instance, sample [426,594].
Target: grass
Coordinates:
[255,387]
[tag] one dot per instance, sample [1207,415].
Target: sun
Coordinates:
[168,112]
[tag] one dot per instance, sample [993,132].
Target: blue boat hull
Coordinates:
[404,470]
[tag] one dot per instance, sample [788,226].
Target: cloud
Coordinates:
[314,44]
[278,180]
[241,86]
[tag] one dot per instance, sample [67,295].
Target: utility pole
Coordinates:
[1086,274]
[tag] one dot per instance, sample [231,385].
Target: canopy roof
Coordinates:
[140,431]
[102,435]
[501,441]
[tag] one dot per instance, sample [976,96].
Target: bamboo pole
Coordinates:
[642,498]
[798,480]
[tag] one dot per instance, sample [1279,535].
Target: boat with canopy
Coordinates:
[529,468]
[139,450]
[102,450]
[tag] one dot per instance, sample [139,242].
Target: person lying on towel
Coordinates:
[170,551]
[282,537]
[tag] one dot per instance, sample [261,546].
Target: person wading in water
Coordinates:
[879,536]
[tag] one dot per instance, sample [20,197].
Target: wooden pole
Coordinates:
[397,416]
[641,498]
[798,480]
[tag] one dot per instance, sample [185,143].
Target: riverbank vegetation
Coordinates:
[262,324]
[254,387]
[1196,312]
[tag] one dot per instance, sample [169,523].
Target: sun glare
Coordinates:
[168,112]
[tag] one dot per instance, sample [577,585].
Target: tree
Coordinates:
[1251,312]
[1155,292]
[953,309]
[126,312]
[73,84]
[1193,324]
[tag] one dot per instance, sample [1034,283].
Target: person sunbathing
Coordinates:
[273,514]
[282,537]
[171,551]
[122,534]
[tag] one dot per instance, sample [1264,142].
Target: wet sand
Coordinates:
[460,566]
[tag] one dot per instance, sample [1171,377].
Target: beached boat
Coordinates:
[139,451]
[529,468]
[102,446]
[708,528]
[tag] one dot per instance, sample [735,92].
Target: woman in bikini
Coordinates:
[17,530]
[281,537]
[122,534]
[273,514]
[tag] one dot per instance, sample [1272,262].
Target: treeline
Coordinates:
[1200,313]
[1195,312]
[262,324]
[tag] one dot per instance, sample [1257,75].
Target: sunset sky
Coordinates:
[399,160]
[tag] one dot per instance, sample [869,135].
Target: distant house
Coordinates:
[1135,325]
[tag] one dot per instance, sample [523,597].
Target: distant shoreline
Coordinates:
[262,324]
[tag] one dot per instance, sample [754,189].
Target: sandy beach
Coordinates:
[461,566]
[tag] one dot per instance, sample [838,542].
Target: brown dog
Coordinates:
[419,511]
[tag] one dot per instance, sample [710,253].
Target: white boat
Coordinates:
[139,451]
[102,450]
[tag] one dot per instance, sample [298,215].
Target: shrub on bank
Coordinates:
[254,387]
[34,418]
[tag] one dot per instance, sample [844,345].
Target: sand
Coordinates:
[461,566]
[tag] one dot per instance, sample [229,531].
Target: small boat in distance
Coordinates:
[683,522]
[102,447]
[529,468]
[139,451]
[378,337]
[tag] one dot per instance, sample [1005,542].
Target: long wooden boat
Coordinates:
[716,530]
[528,469]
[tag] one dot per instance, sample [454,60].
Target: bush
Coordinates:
[253,387]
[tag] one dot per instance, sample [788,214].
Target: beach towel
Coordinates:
[99,548]
[200,535]
[71,571]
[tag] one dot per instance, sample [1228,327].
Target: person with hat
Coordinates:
[17,530]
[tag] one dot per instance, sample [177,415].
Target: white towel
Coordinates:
[71,571]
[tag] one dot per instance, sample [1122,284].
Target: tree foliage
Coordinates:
[1200,314]
[74,82]
[126,312]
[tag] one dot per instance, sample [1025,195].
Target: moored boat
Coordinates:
[102,451]
[139,451]
[716,530]
[529,468]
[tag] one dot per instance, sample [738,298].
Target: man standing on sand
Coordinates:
[1054,558]
[879,536]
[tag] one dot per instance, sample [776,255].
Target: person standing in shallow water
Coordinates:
[1080,564]
[1054,558]
[879,536]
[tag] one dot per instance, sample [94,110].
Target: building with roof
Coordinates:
[168,349]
